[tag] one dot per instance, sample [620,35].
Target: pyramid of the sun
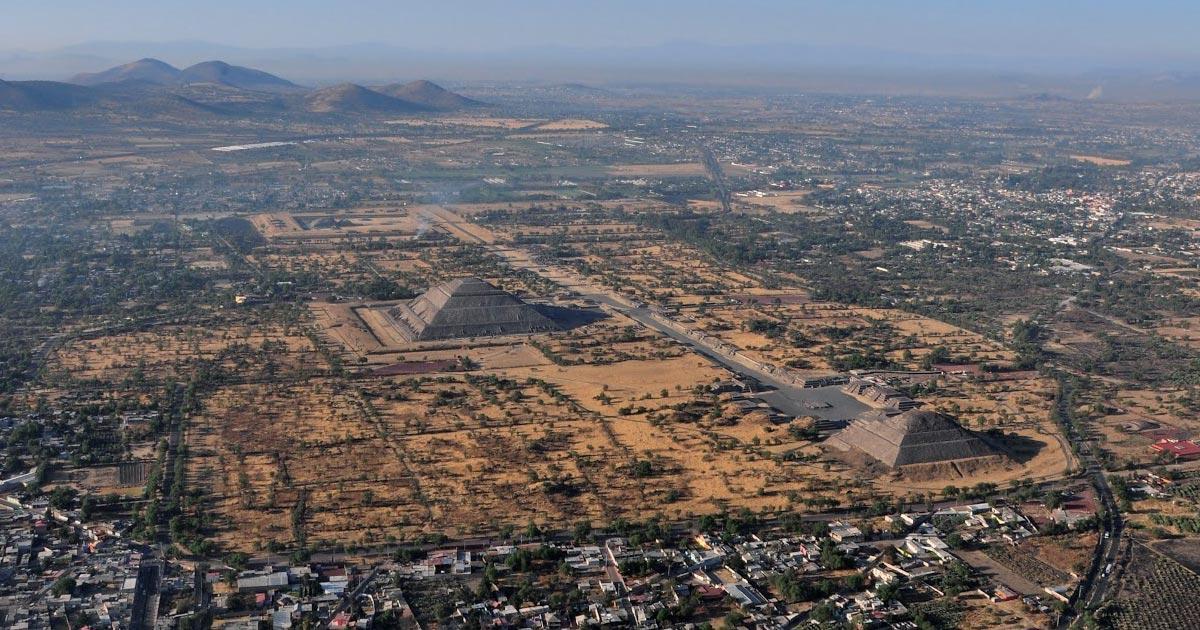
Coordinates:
[467,307]
[911,438]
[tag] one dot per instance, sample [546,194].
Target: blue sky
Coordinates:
[1100,29]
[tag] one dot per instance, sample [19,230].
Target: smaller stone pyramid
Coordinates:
[467,307]
[910,438]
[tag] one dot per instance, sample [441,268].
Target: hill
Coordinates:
[579,88]
[351,98]
[428,94]
[149,70]
[29,96]
[221,73]
[153,71]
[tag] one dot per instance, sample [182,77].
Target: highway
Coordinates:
[1094,586]
[718,178]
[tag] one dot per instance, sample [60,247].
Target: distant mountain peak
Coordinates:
[580,87]
[147,69]
[429,95]
[222,73]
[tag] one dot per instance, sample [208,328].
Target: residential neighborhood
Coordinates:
[788,574]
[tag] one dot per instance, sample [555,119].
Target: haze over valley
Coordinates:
[557,315]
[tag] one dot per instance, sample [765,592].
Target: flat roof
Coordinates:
[1177,447]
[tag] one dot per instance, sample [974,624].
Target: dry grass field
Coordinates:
[1131,419]
[157,354]
[351,435]
[486,122]
[979,612]
[571,124]
[1100,161]
[786,202]
[685,169]
[451,452]
[783,326]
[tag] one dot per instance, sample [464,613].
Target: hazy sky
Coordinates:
[1101,29]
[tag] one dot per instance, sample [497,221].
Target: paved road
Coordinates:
[1095,585]
[1108,557]
[352,596]
[1094,588]
[717,175]
[200,593]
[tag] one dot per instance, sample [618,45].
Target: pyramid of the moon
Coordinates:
[467,307]
[910,438]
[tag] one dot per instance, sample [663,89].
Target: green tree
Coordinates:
[583,531]
[63,586]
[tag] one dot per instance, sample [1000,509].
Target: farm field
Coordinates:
[1150,581]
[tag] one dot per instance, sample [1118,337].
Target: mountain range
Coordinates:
[795,65]
[214,72]
[216,87]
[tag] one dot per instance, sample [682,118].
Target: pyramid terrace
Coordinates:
[914,437]
[465,308]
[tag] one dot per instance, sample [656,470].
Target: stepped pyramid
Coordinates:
[912,437]
[467,307]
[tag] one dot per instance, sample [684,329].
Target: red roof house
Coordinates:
[1180,449]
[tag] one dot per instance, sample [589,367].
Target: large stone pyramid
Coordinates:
[467,307]
[911,438]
